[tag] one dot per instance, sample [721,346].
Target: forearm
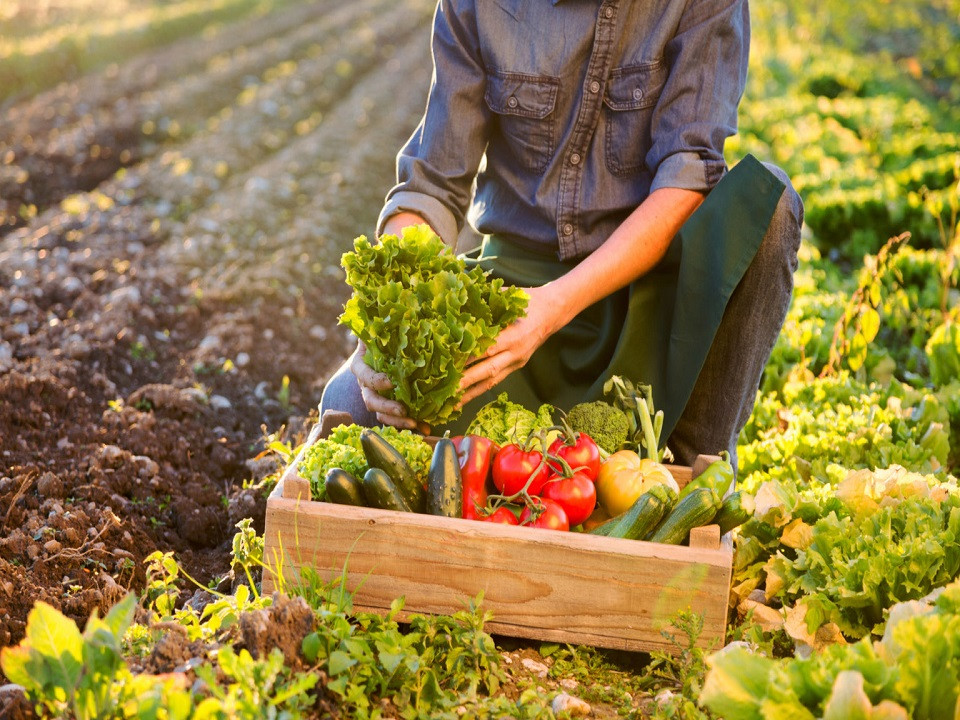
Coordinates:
[633,249]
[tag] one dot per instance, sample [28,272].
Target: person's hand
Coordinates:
[515,344]
[372,383]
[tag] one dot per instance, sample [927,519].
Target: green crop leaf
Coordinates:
[422,315]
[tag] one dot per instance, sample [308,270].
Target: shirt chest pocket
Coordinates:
[632,92]
[523,106]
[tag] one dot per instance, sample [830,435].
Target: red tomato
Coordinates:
[513,467]
[502,516]
[553,516]
[582,453]
[577,495]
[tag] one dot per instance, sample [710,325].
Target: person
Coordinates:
[591,135]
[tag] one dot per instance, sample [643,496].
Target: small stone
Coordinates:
[196,394]
[49,486]
[569,684]
[21,329]
[573,706]
[242,359]
[318,332]
[52,546]
[125,297]
[219,402]
[33,552]
[210,342]
[64,443]
[18,306]
[71,536]
[537,668]
[71,285]
[8,588]
[111,454]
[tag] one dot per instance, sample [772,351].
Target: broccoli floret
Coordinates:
[607,425]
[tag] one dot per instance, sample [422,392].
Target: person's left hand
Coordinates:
[515,344]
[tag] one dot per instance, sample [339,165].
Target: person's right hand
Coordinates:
[372,383]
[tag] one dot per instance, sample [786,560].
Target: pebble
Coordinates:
[210,342]
[242,359]
[52,546]
[569,684]
[197,394]
[573,706]
[260,391]
[318,332]
[21,329]
[537,668]
[18,306]
[219,402]
[72,285]
[49,485]
[33,552]
[125,297]
[111,453]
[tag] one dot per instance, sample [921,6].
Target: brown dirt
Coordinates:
[147,327]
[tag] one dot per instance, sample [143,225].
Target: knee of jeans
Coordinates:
[784,231]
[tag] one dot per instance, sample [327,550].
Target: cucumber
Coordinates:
[734,512]
[641,517]
[384,456]
[381,492]
[696,509]
[444,489]
[343,488]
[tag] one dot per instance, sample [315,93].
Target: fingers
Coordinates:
[366,375]
[380,405]
[486,374]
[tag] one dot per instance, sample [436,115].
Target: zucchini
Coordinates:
[384,456]
[642,517]
[444,489]
[381,492]
[735,511]
[696,509]
[343,488]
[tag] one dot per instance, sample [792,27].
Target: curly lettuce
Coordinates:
[422,315]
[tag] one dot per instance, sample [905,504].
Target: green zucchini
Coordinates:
[343,488]
[696,509]
[381,492]
[641,517]
[381,454]
[735,511]
[444,489]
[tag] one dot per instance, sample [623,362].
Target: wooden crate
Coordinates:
[539,584]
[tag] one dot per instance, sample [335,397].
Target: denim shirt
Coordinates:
[568,113]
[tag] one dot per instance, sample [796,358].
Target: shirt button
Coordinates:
[637,93]
[512,101]
[575,160]
[608,13]
[568,229]
[594,87]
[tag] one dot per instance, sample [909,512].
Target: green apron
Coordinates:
[657,330]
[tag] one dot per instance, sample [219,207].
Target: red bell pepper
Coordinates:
[476,456]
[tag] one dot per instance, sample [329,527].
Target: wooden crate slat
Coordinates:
[539,584]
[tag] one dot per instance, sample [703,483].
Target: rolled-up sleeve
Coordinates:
[437,166]
[697,108]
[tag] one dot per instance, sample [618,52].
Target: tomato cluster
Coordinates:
[557,490]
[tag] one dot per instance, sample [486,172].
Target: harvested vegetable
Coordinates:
[607,425]
[475,455]
[342,449]
[507,422]
[624,477]
[423,315]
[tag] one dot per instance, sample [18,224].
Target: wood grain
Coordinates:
[540,584]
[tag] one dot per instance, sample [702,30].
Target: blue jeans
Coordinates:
[726,388]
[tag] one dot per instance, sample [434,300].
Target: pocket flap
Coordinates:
[532,96]
[636,86]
